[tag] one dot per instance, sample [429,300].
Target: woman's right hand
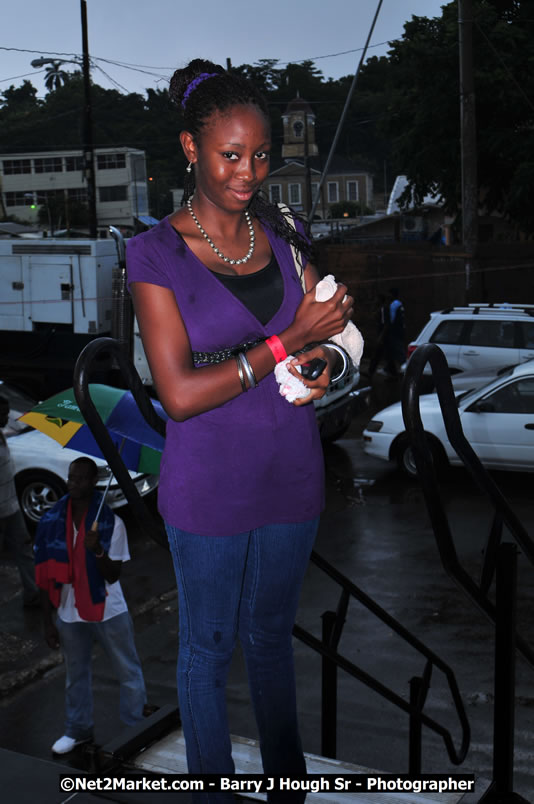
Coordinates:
[319,321]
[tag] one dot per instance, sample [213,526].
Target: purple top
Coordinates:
[257,459]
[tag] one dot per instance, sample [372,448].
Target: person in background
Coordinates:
[219,302]
[395,348]
[382,323]
[13,531]
[78,568]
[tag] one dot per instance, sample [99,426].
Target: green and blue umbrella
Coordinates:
[60,418]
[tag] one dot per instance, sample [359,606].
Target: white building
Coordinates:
[29,180]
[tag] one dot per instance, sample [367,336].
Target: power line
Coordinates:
[147,69]
[24,75]
[112,80]
[339,53]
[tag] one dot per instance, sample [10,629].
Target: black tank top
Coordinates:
[261,292]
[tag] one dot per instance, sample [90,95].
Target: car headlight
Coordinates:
[374,426]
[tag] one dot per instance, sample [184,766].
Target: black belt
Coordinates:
[225,354]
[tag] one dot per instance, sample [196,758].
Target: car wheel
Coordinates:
[38,491]
[406,461]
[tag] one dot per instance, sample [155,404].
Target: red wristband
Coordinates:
[277,348]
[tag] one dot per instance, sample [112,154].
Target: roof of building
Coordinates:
[399,186]
[339,164]
[298,104]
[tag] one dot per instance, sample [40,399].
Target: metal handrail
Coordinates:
[328,647]
[430,353]
[100,431]
[500,559]
[329,650]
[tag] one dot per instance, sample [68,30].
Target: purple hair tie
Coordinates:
[194,84]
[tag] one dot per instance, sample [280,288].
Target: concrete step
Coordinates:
[168,756]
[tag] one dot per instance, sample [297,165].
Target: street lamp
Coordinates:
[33,205]
[88,151]
[55,73]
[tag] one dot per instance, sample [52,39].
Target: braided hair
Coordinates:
[203,89]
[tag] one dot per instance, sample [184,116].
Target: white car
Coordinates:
[480,336]
[497,420]
[42,465]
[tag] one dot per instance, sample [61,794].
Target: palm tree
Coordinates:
[55,77]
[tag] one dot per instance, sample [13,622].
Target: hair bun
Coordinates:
[182,78]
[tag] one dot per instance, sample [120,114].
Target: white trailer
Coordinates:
[67,282]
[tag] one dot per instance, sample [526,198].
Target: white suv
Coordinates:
[480,336]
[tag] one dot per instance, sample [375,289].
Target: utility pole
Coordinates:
[88,151]
[307,173]
[468,140]
[343,114]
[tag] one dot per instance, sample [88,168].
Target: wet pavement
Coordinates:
[376,531]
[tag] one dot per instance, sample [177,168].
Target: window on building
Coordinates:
[118,193]
[15,166]
[42,196]
[275,193]
[19,199]
[353,191]
[110,161]
[294,194]
[51,164]
[77,194]
[333,192]
[74,163]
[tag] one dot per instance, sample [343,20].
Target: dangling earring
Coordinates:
[189,167]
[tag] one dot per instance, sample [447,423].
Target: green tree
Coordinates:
[423,120]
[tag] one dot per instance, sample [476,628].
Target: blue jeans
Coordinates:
[244,586]
[116,637]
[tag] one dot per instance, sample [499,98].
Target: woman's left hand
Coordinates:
[319,386]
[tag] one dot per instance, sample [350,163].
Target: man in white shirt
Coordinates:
[78,564]
[13,531]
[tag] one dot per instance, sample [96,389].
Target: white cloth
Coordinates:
[115,602]
[290,386]
[9,503]
[350,340]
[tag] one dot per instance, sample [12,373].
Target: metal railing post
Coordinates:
[415,739]
[329,691]
[505,628]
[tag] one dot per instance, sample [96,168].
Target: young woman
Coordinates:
[219,303]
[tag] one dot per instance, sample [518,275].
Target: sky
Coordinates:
[154,37]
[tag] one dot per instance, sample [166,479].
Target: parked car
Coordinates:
[42,465]
[470,380]
[497,420]
[342,401]
[480,336]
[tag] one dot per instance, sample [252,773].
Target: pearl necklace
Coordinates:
[217,251]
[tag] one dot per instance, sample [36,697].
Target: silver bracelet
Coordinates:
[247,368]
[345,358]
[240,372]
